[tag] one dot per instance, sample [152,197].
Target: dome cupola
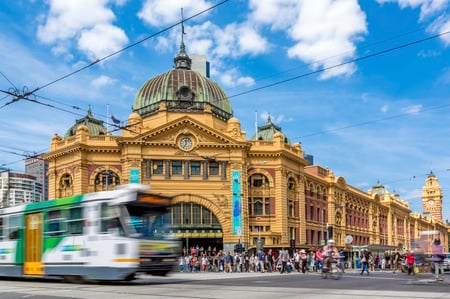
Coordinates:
[182,90]
[93,125]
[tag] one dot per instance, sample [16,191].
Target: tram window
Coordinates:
[55,224]
[75,221]
[1,229]
[14,228]
[110,222]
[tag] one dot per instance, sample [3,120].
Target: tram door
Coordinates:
[33,244]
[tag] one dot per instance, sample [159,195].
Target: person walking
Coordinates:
[304,261]
[284,255]
[319,260]
[410,262]
[438,259]
[396,262]
[365,256]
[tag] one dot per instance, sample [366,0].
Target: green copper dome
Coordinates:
[268,131]
[94,126]
[182,89]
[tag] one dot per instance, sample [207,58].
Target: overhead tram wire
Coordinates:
[392,49]
[19,97]
[368,46]
[373,121]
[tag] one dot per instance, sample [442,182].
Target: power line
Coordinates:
[18,96]
[372,121]
[341,64]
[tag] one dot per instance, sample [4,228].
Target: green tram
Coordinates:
[110,235]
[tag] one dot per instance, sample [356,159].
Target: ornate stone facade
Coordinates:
[227,189]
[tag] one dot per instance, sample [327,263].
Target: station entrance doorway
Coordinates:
[195,225]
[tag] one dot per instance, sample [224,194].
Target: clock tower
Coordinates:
[432,197]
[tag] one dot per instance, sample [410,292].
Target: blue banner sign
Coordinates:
[237,202]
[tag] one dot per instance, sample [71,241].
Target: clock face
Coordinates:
[431,202]
[185,143]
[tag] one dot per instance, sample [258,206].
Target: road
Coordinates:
[237,285]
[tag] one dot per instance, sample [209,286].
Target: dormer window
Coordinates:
[185,94]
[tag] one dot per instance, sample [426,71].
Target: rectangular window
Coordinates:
[267,206]
[177,168]
[196,214]
[195,168]
[213,168]
[258,206]
[55,224]
[187,213]
[110,220]
[158,167]
[14,227]
[1,229]
[75,221]
[176,212]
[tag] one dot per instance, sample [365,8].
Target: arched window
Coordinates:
[65,185]
[66,181]
[259,195]
[106,180]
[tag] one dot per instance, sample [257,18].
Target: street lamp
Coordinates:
[322,241]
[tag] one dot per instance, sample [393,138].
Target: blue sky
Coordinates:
[384,117]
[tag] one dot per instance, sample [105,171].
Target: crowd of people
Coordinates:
[199,259]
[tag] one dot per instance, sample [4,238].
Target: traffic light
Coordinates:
[330,232]
[292,244]
[238,248]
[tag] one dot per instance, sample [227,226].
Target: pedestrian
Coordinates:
[410,262]
[438,259]
[284,255]
[304,260]
[396,262]
[269,261]
[319,260]
[261,260]
[297,260]
[365,257]
[311,257]
[181,263]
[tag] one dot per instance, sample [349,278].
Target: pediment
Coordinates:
[170,134]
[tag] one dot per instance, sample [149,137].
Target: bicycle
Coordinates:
[337,270]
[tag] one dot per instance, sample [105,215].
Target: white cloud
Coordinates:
[237,40]
[70,20]
[440,26]
[162,13]
[232,78]
[385,108]
[414,109]
[279,14]
[427,7]
[103,81]
[324,31]
[101,40]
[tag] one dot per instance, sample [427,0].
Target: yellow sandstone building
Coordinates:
[182,139]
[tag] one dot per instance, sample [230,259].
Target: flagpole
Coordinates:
[107,118]
[256,124]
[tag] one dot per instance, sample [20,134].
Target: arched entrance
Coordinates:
[196,226]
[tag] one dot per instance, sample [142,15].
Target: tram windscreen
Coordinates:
[149,222]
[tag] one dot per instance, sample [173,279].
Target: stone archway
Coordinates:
[197,222]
